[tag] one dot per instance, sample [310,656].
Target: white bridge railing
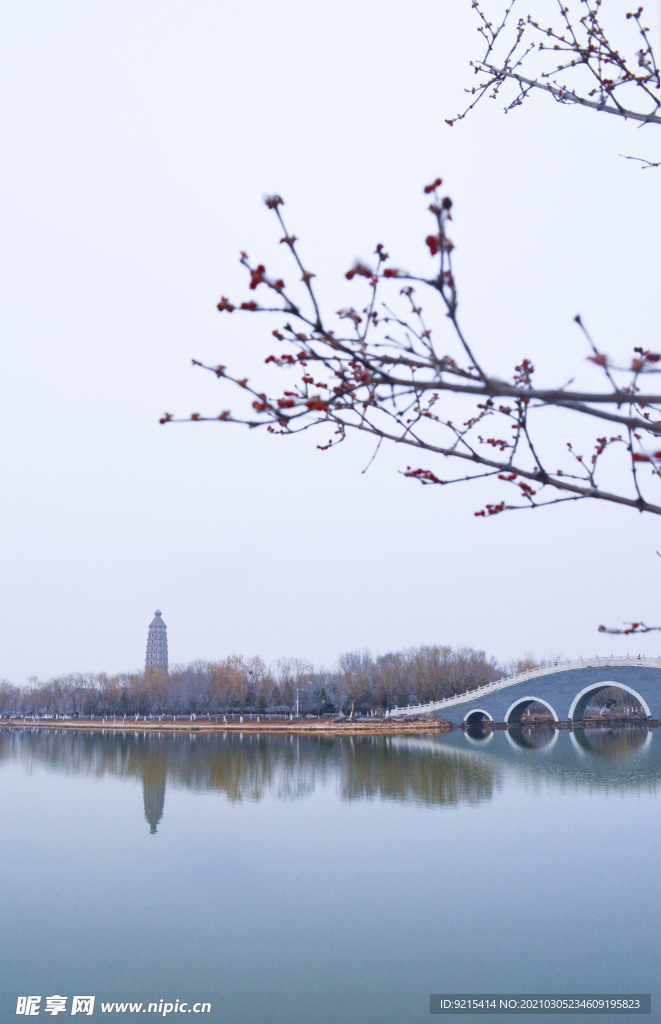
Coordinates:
[521,677]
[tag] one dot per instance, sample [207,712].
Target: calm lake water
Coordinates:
[294,880]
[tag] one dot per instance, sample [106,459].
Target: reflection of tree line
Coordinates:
[405,772]
[446,770]
[251,767]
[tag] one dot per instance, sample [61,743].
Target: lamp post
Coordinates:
[299,689]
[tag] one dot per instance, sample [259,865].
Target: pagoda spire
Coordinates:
[157,644]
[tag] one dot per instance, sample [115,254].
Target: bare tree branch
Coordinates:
[380,369]
[571,58]
[387,376]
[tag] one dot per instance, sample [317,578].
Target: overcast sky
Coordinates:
[138,141]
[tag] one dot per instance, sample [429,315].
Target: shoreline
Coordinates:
[430,724]
[261,725]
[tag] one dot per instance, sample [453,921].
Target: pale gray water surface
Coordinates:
[294,880]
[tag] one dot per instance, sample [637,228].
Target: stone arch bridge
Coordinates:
[565,689]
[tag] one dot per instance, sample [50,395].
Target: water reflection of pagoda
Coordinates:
[154,774]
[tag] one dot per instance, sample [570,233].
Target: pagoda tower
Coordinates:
[157,645]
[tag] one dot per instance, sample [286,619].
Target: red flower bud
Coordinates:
[257,276]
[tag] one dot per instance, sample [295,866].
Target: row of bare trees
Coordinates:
[360,683]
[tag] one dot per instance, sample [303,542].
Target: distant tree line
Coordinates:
[360,683]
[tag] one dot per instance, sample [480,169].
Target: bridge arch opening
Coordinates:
[477,724]
[530,710]
[477,717]
[604,701]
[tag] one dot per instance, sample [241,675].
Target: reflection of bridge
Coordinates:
[565,688]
